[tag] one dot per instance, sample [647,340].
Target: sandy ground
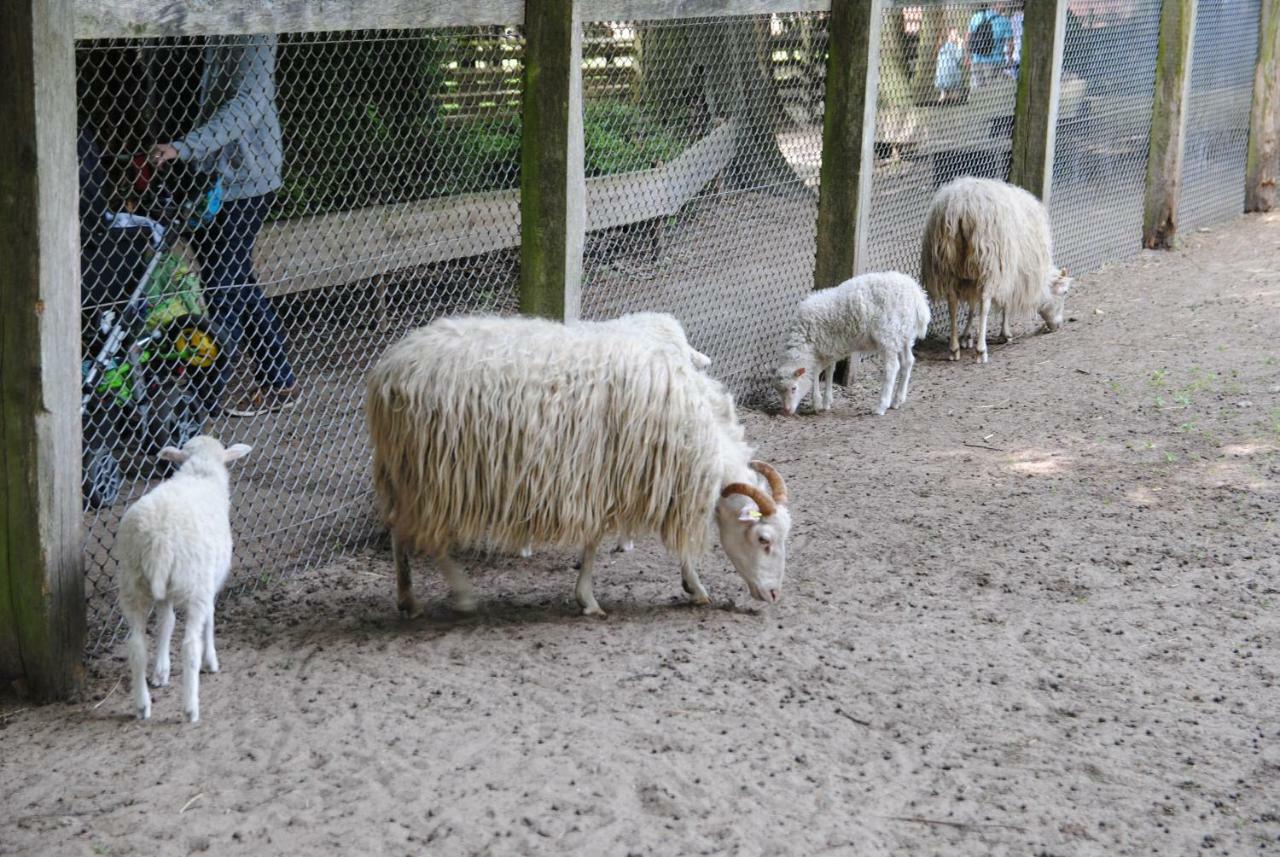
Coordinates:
[1035,612]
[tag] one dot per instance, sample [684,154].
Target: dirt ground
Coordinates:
[1036,611]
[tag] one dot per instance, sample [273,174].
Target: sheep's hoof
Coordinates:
[211,667]
[160,679]
[954,355]
[409,609]
[526,552]
[701,599]
[594,610]
[193,716]
[981,358]
[625,547]
[144,713]
[879,411]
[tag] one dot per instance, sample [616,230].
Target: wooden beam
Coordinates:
[848,141]
[103,19]
[1262,162]
[1168,122]
[1035,117]
[42,609]
[552,183]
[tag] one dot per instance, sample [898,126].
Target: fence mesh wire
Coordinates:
[369,183]
[714,217]
[938,116]
[1104,122]
[1223,53]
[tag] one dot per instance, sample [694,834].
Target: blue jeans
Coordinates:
[244,315]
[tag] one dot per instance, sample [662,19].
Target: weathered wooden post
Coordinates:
[848,144]
[848,141]
[552,183]
[42,610]
[1035,118]
[1168,122]
[1262,163]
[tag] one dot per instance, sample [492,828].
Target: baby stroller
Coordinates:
[149,349]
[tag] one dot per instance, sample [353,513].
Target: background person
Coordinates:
[238,137]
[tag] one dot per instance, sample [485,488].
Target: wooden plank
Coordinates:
[1262,160]
[1168,122]
[848,137]
[1035,115]
[349,246]
[103,19]
[42,607]
[552,184]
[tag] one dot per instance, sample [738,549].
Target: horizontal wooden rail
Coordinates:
[349,246]
[109,19]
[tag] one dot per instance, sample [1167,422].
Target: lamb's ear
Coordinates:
[172,453]
[1060,285]
[799,372]
[700,360]
[239,450]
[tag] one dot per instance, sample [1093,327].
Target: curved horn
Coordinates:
[767,506]
[777,487]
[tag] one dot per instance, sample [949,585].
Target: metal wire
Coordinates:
[397,164]
[1223,54]
[385,166]
[1104,123]
[936,120]
[709,211]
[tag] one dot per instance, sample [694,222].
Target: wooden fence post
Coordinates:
[42,610]
[552,182]
[1168,122]
[848,141]
[1035,118]
[1262,162]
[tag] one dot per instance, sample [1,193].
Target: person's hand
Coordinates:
[162,152]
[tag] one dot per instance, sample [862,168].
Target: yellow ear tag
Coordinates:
[749,514]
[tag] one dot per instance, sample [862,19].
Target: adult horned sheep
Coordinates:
[988,242]
[500,432]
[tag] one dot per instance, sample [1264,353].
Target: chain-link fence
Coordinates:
[942,111]
[363,183]
[1223,54]
[714,217]
[1104,122]
[262,215]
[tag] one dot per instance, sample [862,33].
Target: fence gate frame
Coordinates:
[42,605]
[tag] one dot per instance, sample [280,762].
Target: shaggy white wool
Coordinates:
[879,313]
[988,242]
[174,548]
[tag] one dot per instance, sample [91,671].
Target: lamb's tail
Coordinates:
[923,316]
[160,562]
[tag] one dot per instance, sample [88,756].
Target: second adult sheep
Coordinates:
[988,242]
[880,313]
[497,433]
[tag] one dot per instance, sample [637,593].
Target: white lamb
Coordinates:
[503,432]
[661,328]
[881,313]
[174,547]
[987,242]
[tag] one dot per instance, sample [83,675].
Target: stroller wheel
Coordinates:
[101,478]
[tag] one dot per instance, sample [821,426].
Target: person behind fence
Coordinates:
[948,74]
[990,34]
[1015,51]
[238,136]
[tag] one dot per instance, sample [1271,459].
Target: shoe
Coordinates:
[264,402]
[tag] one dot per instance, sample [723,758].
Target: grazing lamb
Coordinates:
[660,327]
[502,432]
[174,547]
[884,313]
[987,242]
